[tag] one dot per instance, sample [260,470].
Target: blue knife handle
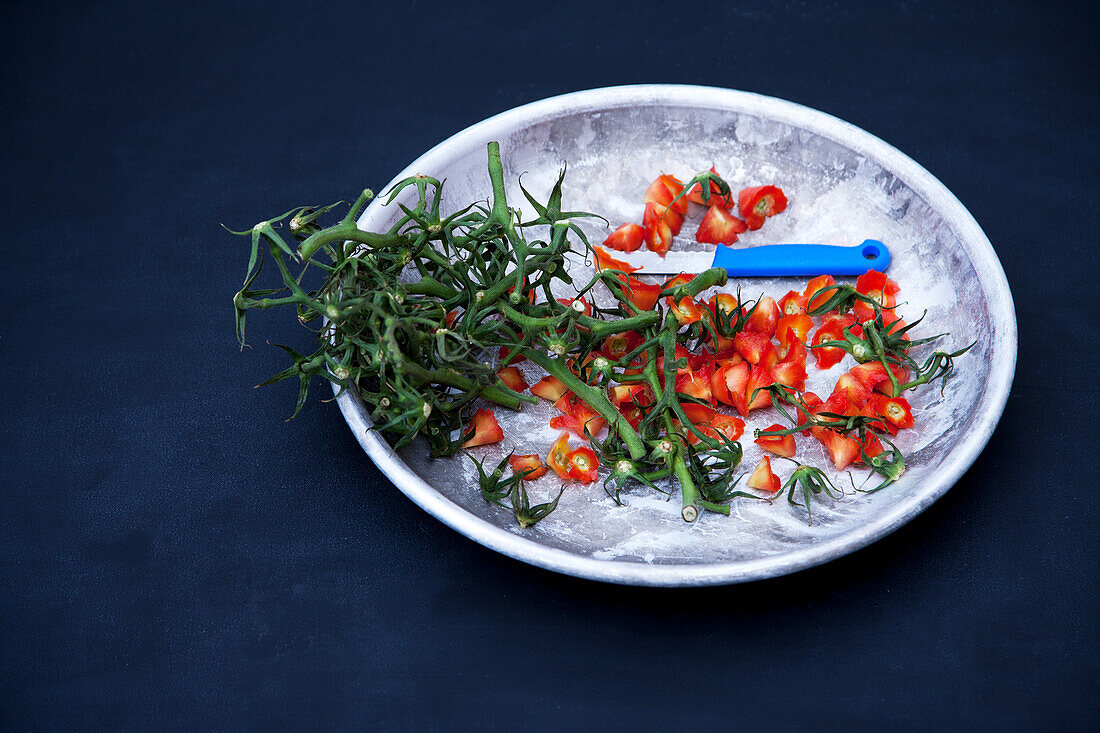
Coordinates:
[804,259]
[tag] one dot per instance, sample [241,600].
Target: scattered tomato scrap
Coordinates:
[665,205]
[748,356]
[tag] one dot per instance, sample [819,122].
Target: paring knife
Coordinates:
[768,260]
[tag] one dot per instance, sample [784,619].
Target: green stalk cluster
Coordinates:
[411,320]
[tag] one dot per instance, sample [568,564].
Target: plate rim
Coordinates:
[923,183]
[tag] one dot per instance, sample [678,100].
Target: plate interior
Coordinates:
[844,186]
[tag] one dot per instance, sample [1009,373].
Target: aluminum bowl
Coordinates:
[845,185]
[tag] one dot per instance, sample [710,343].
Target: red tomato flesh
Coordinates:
[530,467]
[485,427]
[763,478]
[512,378]
[604,261]
[627,238]
[719,227]
[583,465]
[549,388]
[780,445]
[641,294]
[759,202]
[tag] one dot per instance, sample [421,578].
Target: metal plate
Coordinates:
[844,185]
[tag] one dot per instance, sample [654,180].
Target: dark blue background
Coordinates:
[175,554]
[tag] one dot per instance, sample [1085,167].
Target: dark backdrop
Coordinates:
[174,554]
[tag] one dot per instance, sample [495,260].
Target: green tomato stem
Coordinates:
[595,398]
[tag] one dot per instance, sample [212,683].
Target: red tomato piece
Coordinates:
[763,478]
[583,465]
[661,225]
[633,393]
[718,386]
[695,195]
[880,288]
[719,227]
[793,303]
[728,425]
[698,414]
[841,449]
[662,192]
[577,416]
[549,388]
[696,384]
[780,445]
[877,423]
[765,318]
[731,360]
[870,374]
[580,420]
[723,345]
[837,404]
[791,370]
[558,457]
[854,392]
[814,404]
[512,378]
[759,202]
[682,279]
[686,311]
[641,294]
[529,467]
[895,326]
[890,318]
[815,286]
[658,238]
[577,426]
[618,345]
[830,330]
[566,403]
[626,238]
[755,347]
[873,375]
[896,410]
[790,329]
[711,423]
[731,388]
[604,261]
[759,377]
[485,427]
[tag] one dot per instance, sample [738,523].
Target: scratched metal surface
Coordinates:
[844,185]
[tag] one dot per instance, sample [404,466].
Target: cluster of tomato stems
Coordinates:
[420,352]
[879,342]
